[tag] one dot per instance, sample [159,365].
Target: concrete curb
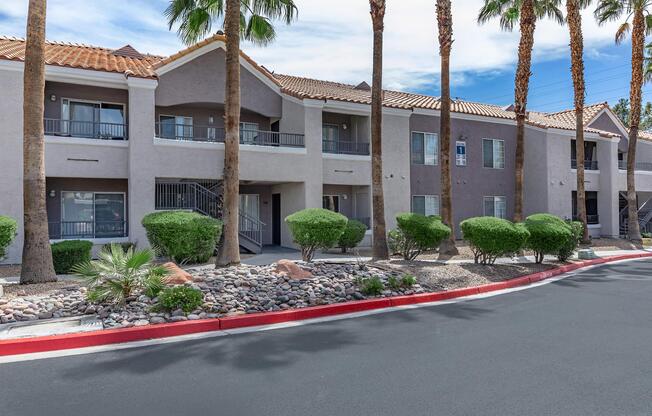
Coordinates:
[147,332]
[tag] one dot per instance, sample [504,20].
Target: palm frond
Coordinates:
[622,32]
[609,10]
[259,29]
[493,9]
[550,9]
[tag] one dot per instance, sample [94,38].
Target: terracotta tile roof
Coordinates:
[645,135]
[74,55]
[590,111]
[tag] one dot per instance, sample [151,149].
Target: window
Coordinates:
[590,155]
[493,153]
[248,132]
[425,204]
[425,148]
[495,206]
[249,206]
[175,127]
[460,153]
[331,202]
[92,214]
[92,119]
[591,206]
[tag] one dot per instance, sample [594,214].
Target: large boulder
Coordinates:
[292,270]
[177,275]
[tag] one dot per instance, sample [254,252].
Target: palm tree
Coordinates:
[526,12]
[638,11]
[445,26]
[574,19]
[249,19]
[380,250]
[37,257]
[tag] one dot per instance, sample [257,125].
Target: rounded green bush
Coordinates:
[420,233]
[570,245]
[491,237]
[181,297]
[315,228]
[185,237]
[8,229]
[69,253]
[395,241]
[548,234]
[352,235]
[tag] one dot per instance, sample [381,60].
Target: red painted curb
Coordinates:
[116,336]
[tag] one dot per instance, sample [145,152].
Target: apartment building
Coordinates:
[128,133]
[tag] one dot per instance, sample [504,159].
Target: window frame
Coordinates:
[335,197]
[493,155]
[124,207]
[437,150]
[438,205]
[493,197]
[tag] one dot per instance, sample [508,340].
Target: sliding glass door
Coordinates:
[92,215]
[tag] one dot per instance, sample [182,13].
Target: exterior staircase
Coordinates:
[644,217]
[193,196]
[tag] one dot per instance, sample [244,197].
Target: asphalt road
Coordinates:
[581,346]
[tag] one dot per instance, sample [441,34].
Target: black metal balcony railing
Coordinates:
[345,147]
[640,166]
[588,164]
[70,230]
[590,219]
[198,133]
[85,129]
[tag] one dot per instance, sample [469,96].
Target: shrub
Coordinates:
[395,241]
[420,233]
[315,228]
[408,281]
[352,235]
[548,234]
[117,274]
[570,245]
[491,237]
[185,237]
[66,254]
[7,233]
[185,298]
[372,286]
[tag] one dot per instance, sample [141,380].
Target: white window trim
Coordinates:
[494,199]
[504,158]
[424,148]
[124,201]
[424,196]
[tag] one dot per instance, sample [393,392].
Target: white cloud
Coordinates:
[331,40]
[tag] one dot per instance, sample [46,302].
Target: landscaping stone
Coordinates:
[292,270]
[177,275]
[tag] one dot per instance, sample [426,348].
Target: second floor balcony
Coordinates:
[588,164]
[639,166]
[343,147]
[85,129]
[212,134]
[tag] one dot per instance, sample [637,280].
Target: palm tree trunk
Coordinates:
[380,250]
[521,86]
[229,253]
[37,256]
[638,45]
[577,68]
[445,25]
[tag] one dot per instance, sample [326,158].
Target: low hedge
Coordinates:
[352,236]
[548,235]
[315,228]
[185,237]
[69,253]
[180,297]
[570,245]
[491,237]
[420,233]
[8,229]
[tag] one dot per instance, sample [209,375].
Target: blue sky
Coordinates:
[332,40]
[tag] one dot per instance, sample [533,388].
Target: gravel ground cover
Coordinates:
[249,289]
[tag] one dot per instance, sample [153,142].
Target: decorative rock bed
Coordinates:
[229,291]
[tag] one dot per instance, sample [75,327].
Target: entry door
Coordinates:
[276,219]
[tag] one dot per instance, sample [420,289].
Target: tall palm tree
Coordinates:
[526,12]
[251,20]
[380,250]
[37,257]
[574,19]
[639,12]
[445,26]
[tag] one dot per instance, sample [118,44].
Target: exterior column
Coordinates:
[314,175]
[396,164]
[608,193]
[141,174]
[11,156]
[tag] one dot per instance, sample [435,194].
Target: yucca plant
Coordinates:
[117,274]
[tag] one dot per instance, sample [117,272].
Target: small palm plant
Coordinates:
[117,274]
